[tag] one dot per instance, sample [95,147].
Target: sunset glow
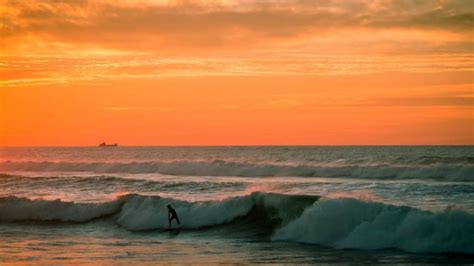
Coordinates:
[236,72]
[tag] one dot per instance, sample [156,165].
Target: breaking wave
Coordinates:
[452,172]
[139,212]
[339,223]
[350,223]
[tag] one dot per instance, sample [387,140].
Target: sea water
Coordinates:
[362,204]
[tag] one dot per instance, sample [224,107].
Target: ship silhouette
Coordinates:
[103,144]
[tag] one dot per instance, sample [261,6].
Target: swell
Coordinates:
[106,182]
[450,172]
[338,223]
[21,209]
[440,159]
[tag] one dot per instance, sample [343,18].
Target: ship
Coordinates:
[103,144]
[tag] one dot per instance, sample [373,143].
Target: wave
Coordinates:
[350,223]
[108,182]
[444,160]
[20,209]
[140,212]
[453,172]
[338,223]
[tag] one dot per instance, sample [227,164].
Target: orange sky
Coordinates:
[236,72]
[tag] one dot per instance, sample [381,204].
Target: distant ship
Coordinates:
[103,144]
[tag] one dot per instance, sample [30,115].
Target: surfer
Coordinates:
[172,215]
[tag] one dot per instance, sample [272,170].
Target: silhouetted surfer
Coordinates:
[172,215]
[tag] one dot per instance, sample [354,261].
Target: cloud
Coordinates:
[138,108]
[182,26]
[43,71]
[54,42]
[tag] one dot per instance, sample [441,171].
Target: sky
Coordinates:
[236,72]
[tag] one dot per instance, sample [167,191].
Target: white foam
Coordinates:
[139,212]
[350,223]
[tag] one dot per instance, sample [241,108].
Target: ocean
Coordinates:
[305,204]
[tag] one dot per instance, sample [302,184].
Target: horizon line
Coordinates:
[235,145]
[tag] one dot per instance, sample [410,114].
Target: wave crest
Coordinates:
[350,223]
[459,172]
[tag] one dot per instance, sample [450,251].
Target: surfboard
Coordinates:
[170,229]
